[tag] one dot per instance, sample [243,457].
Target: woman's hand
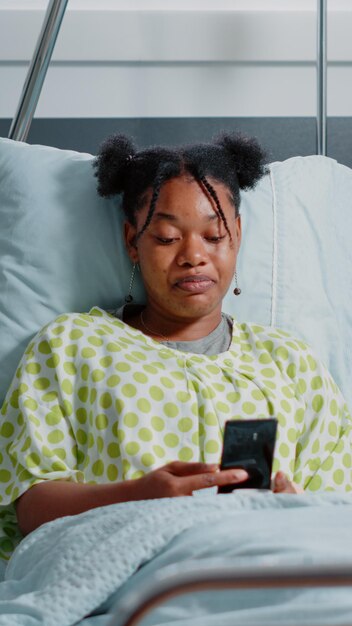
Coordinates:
[283,485]
[51,499]
[181,479]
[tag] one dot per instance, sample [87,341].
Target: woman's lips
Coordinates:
[195,284]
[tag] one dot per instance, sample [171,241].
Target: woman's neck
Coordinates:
[162,327]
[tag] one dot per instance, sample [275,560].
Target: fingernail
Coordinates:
[240,475]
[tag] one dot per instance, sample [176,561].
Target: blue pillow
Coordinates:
[297,267]
[61,245]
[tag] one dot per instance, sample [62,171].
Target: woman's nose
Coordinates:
[192,252]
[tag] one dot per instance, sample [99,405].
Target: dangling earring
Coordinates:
[129,297]
[236,290]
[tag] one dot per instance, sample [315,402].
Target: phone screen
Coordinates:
[249,445]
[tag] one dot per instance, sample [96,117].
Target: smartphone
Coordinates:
[249,445]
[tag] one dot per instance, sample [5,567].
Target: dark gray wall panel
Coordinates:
[282,137]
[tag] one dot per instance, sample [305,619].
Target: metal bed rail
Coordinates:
[34,81]
[46,42]
[322,78]
[171,581]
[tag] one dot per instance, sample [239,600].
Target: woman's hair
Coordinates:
[234,160]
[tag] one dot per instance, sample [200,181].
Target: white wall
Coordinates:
[248,5]
[178,58]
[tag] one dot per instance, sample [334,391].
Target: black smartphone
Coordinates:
[249,445]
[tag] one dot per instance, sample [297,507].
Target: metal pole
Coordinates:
[37,70]
[321,76]
[172,581]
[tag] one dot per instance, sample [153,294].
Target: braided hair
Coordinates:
[234,160]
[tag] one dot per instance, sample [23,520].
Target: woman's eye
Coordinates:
[215,239]
[169,240]
[165,240]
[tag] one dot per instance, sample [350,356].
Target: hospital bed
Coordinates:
[325,191]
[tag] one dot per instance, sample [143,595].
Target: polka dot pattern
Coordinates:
[97,401]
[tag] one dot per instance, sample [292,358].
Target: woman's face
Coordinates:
[186,257]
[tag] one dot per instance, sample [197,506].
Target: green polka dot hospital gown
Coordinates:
[97,401]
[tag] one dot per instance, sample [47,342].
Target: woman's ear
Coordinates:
[130,233]
[238,230]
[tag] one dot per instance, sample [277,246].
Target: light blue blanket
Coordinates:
[83,565]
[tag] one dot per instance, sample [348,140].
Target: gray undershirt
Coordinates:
[218,341]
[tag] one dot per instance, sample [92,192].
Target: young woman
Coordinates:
[131,404]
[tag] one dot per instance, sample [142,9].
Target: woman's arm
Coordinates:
[49,500]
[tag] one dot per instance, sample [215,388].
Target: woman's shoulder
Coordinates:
[73,326]
[291,354]
[271,334]
[80,319]
[282,345]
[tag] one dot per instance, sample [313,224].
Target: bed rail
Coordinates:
[322,78]
[37,70]
[52,22]
[177,579]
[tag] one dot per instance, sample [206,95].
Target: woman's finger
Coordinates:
[213,479]
[282,484]
[180,468]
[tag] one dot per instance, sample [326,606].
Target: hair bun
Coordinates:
[248,157]
[111,164]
